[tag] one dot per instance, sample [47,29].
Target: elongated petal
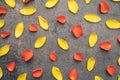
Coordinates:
[40,42]
[11,3]
[118,60]
[28,10]
[87,1]
[43,23]
[1,73]
[4,50]
[113,24]
[73,74]
[63,43]
[93,18]
[22,76]
[98,78]
[51,3]
[116,0]
[73,6]
[19,29]
[118,78]
[57,74]
[93,39]
[2,23]
[91,63]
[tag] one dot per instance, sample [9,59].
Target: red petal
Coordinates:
[78,57]
[37,73]
[106,45]
[27,55]
[61,19]
[26,1]
[111,70]
[77,31]
[118,39]
[11,66]
[33,28]
[3,10]
[73,74]
[4,34]
[104,7]
[53,56]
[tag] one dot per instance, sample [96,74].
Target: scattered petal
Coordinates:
[118,39]
[26,1]
[118,60]
[57,74]
[51,3]
[113,24]
[33,28]
[106,45]
[28,10]
[43,23]
[93,39]
[4,34]
[116,0]
[98,78]
[22,76]
[104,7]
[37,73]
[87,1]
[3,10]
[53,56]
[1,73]
[63,43]
[77,31]
[93,18]
[11,3]
[11,66]
[78,56]
[27,55]
[118,78]
[40,42]
[91,64]
[4,50]
[111,70]
[2,23]
[73,74]
[61,19]
[73,6]
[19,29]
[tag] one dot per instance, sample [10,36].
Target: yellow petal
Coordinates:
[113,24]
[40,42]
[73,6]
[116,0]
[93,39]
[118,60]
[57,74]
[118,77]
[2,23]
[4,50]
[22,76]
[87,1]
[19,29]
[51,3]
[91,64]
[43,23]
[63,43]
[98,78]
[28,10]
[1,73]
[10,3]
[92,18]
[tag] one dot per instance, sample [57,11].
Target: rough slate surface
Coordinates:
[65,58]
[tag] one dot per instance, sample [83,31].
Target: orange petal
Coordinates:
[77,31]
[78,57]
[118,39]
[27,55]
[4,34]
[104,7]
[37,73]
[106,45]
[33,28]
[111,70]
[26,1]
[53,56]
[61,19]
[3,10]
[11,66]
[73,74]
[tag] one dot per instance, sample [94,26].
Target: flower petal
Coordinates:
[22,76]
[78,56]
[37,73]
[106,45]
[53,56]
[3,10]
[11,66]
[51,3]
[111,70]
[11,3]
[2,23]
[4,34]
[61,19]
[33,28]
[4,50]
[73,74]
[91,63]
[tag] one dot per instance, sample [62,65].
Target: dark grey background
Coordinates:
[65,58]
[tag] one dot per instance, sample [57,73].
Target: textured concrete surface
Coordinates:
[65,58]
